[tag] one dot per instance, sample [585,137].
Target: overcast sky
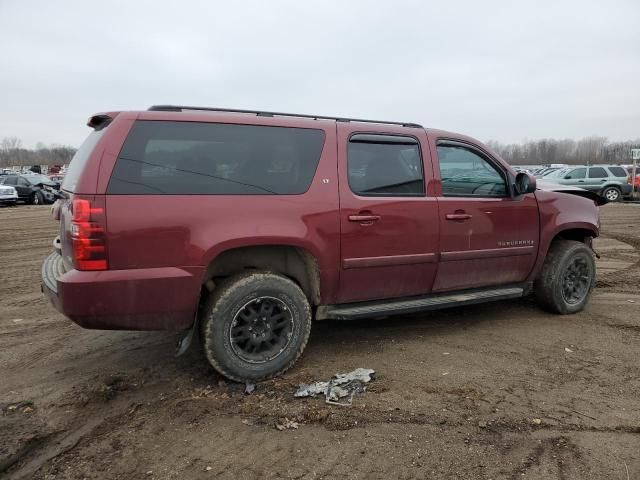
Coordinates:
[494,70]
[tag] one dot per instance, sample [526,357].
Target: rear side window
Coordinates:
[618,171]
[384,165]
[162,157]
[80,159]
[597,172]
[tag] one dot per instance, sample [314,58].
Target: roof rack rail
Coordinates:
[260,113]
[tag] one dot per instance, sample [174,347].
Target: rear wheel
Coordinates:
[567,277]
[255,326]
[612,194]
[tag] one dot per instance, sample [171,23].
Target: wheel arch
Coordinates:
[580,232]
[292,261]
[612,185]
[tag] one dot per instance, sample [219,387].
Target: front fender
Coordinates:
[575,216]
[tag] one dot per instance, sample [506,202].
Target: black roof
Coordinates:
[260,113]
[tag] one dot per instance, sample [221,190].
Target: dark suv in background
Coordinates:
[33,188]
[244,226]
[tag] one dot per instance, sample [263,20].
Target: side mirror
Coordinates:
[568,177]
[525,183]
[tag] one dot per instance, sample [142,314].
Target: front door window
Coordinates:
[465,173]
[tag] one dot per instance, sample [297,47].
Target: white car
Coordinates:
[8,195]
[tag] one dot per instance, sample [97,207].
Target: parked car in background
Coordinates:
[8,195]
[256,222]
[548,171]
[608,181]
[526,168]
[57,180]
[636,181]
[32,188]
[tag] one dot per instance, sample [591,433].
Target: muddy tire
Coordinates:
[255,326]
[567,277]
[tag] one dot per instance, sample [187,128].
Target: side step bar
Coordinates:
[349,311]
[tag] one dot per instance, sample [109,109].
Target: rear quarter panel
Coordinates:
[190,231]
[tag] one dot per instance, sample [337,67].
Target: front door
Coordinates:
[576,177]
[487,237]
[389,225]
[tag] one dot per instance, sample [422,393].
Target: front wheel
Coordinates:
[567,278]
[255,326]
[37,199]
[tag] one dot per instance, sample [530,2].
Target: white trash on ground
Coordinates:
[340,386]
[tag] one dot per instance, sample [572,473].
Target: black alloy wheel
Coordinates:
[576,281]
[261,329]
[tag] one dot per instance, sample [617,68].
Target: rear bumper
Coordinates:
[626,189]
[163,298]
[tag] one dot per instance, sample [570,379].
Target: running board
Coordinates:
[349,311]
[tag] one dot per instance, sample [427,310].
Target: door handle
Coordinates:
[364,219]
[458,216]
[580,181]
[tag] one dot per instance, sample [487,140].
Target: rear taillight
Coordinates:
[88,228]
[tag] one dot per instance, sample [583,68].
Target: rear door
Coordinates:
[389,225]
[596,178]
[487,237]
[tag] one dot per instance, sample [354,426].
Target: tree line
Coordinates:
[13,154]
[587,151]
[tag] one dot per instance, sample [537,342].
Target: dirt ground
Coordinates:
[492,391]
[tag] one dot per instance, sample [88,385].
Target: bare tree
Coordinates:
[587,151]
[10,149]
[12,154]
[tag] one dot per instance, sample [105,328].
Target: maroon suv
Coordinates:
[245,226]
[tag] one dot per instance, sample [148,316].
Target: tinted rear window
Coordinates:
[161,157]
[598,172]
[79,160]
[618,171]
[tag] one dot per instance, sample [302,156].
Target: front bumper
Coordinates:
[48,196]
[8,198]
[164,298]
